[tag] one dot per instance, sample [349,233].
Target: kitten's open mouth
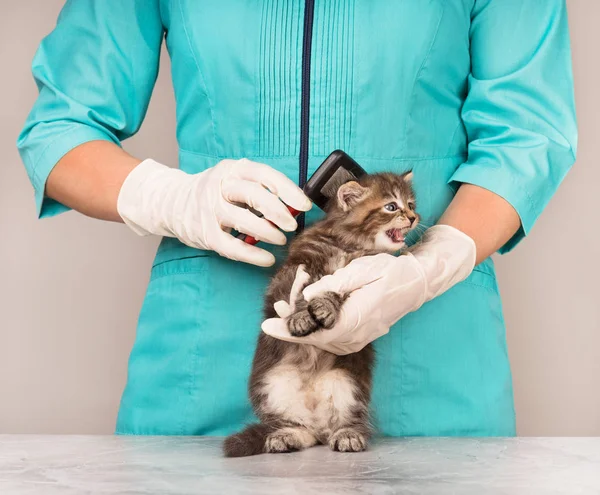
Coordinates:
[395,235]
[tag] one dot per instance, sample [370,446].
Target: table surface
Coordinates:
[193,465]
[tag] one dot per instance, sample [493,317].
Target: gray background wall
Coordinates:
[71,287]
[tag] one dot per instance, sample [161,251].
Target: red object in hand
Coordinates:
[248,239]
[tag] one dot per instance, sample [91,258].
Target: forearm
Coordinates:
[89,178]
[484,216]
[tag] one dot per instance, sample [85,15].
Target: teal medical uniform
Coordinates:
[459,91]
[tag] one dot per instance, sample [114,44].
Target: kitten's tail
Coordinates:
[250,441]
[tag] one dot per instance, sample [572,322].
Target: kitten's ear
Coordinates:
[408,176]
[350,194]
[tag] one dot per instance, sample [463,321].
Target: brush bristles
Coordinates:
[339,177]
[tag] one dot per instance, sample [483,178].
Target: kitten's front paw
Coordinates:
[301,324]
[325,308]
[348,440]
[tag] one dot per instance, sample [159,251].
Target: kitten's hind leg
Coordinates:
[289,439]
[325,308]
[349,384]
[350,439]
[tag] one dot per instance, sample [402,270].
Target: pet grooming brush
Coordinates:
[337,169]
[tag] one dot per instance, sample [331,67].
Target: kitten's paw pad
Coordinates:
[348,440]
[301,324]
[281,442]
[326,308]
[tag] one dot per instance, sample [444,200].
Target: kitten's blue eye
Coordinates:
[391,207]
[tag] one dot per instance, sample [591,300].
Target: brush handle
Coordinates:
[248,239]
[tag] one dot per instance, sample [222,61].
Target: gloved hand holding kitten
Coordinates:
[383,288]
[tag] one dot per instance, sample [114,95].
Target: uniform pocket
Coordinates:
[196,336]
[444,370]
[162,374]
[180,265]
[483,275]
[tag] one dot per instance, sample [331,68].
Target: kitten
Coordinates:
[301,394]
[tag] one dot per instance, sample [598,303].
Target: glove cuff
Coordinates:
[447,256]
[138,199]
[463,243]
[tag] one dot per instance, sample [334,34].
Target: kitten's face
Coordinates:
[380,210]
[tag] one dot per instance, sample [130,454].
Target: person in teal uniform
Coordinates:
[474,96]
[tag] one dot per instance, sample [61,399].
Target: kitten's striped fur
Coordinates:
[303,395]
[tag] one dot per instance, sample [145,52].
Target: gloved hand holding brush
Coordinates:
[201,209]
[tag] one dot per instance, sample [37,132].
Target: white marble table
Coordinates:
[161,465]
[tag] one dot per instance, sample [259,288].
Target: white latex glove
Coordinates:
[201,209]
[383,288]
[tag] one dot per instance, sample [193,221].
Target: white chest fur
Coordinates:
[322,401]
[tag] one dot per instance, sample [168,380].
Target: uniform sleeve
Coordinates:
[95,73]
[519,113]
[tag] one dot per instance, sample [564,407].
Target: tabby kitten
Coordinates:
[301,394]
